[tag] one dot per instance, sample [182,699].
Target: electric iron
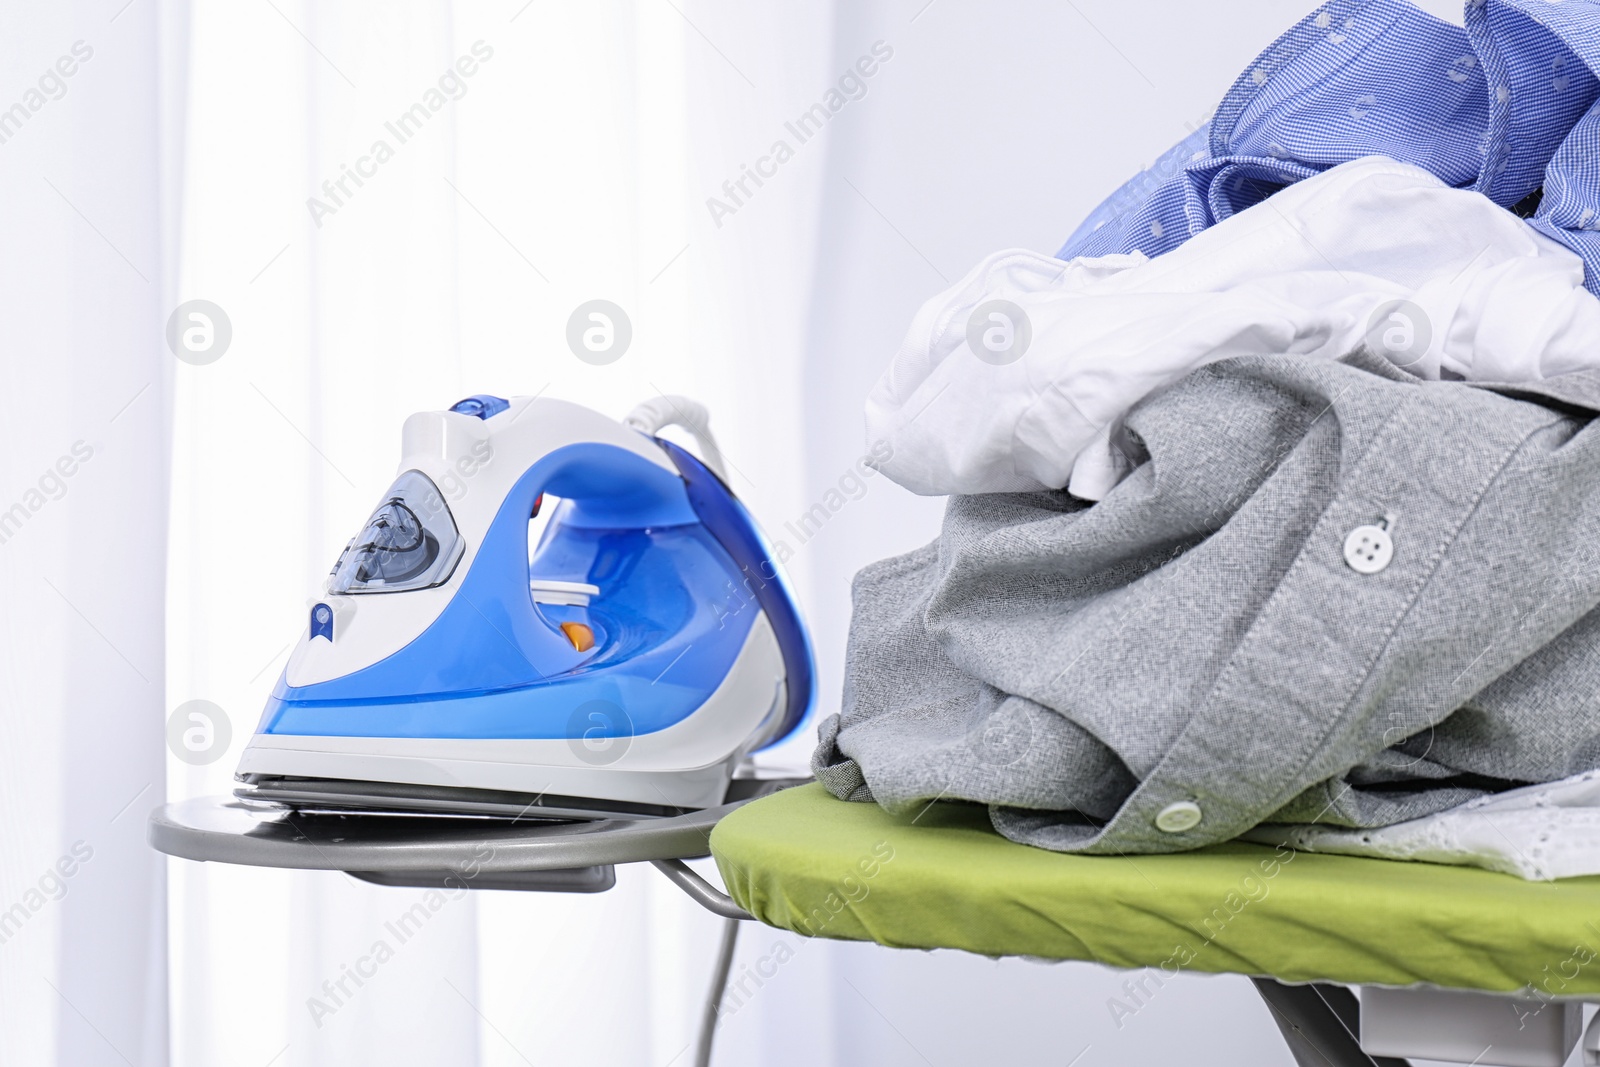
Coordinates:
[624,667]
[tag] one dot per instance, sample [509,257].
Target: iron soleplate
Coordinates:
[347,797]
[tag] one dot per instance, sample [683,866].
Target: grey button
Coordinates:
[1368,549]
[1177,817]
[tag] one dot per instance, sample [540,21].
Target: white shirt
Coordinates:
[1442,281]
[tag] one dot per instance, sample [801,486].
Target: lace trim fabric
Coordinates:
[1538,832]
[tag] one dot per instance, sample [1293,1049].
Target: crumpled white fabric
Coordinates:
[1313,271]
[1538,832]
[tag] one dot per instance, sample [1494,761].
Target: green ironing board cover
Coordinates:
[942,878]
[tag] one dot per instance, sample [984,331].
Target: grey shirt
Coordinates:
[1198,643]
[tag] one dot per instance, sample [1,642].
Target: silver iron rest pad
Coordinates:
[227,830]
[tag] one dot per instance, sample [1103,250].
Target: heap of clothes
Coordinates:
[1275,495]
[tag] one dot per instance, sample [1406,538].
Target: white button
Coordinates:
[1177,817]
[1368,549]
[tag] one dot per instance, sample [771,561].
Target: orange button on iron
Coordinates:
[581,636]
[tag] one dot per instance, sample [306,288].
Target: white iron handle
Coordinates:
[652,416]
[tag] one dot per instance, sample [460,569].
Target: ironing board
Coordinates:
[942,878]
[955,883]
[533,854]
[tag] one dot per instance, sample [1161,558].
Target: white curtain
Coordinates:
[564,152]
[86,157]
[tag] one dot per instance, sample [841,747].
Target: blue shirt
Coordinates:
[1505,106]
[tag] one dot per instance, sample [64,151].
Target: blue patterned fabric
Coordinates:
[1506,106]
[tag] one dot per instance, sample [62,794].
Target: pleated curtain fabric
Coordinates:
[398,207]
[89,143]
